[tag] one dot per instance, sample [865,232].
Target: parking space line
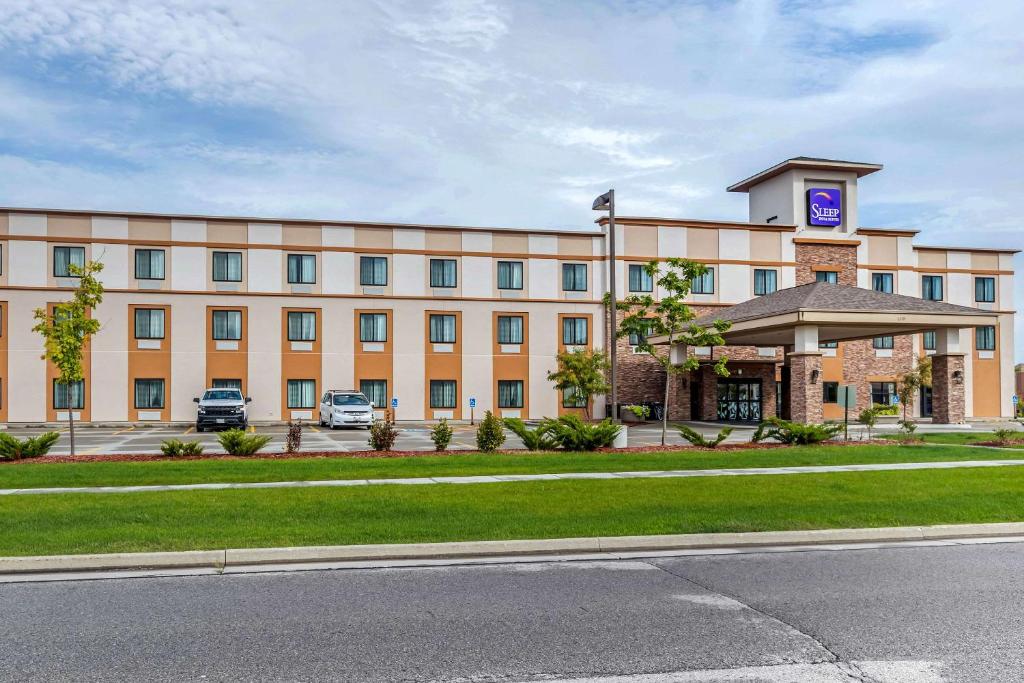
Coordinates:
[129,429]
[252,428]
[189,430]
[314,429]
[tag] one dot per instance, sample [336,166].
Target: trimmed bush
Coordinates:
[1005,435]
[237,442]
[382,434]
[177,447]
[794,433]
[12,448]
[573,434]
[537,439]
[293,441]
[441,435]
[490,435]
[698,439]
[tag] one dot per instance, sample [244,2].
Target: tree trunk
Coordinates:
[71,429]
[668,380]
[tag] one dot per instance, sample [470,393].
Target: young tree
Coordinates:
[583,372]
[671,317]
[912,381]
[67,330]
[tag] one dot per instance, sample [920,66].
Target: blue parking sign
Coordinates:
[394,402]
[1016,399]
[472,403]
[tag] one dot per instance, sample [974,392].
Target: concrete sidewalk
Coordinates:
[505,478]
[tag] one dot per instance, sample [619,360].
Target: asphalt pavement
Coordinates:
[882,614]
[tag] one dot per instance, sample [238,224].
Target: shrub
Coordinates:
[537,439]
[489,435]
[383,434]
[573,434]
[882,409]
[794,433]
[293,441]
[1006,435]
[237,442]
[868,417]
[12,448]
[907,429]
[441,435]
[641,412]
[177,447]
[698,439]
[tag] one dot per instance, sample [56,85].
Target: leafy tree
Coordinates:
[671,317]
[911,382]
[67,330]
[583,373]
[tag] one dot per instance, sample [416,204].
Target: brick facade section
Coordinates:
[861,366]
[841,258]
[947,393]
[804,390]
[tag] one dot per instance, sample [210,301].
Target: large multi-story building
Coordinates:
[433,316]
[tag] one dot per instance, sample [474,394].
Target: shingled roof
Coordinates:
[825,296]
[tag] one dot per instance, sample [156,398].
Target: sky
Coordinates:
[494,112]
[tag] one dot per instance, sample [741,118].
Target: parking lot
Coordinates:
[411,437]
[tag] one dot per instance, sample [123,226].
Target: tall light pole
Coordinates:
[606,202]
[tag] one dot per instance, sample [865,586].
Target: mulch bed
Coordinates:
[152,457]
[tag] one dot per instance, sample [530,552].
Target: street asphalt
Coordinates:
[883,614]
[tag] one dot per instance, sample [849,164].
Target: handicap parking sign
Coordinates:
[472,403]
[394,402]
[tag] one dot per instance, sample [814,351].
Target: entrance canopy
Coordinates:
[838,313]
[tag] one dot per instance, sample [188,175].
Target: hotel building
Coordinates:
[432,315]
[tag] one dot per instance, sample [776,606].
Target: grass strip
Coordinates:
[37,474]
[956,438]
[83,523]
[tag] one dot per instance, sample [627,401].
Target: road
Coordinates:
[883,614]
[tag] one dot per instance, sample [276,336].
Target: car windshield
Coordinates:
[223,395]
[350,400]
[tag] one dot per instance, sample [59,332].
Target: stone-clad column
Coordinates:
[948,388]
[805,386]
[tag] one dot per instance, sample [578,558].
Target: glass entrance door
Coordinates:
[926,401]
[739,400]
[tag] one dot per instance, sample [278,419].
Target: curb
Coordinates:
[242,557]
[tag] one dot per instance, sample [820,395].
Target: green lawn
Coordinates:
[36,474]
[957,438]
[90,523]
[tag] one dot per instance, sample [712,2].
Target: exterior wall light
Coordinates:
[815,374]
[958,377]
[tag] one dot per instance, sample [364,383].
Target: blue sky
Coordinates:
[512,113]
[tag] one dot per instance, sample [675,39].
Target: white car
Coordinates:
[345,408]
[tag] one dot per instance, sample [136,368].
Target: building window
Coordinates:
[929,340]
[69,396]
[882,342]
[510,393]
[510,274]
[705,283]
[227,325]
[442,393]
[373,271]
[639,279]
[376,390]
[65,257]
[373,327]
[574,277]
[510,329]
[985,290]
[985,338]
[828,345]
[149,323]
[883,393]
[227,266]
[765,281]
[149,264]
[574,331]
[301,269]
[149,394]
[830,392]
[931,287]
[829,276]
[571,398]
[301,393]
[442,329]
[881,282]
[443,272]
[637,339]
[301,326]
[227,384]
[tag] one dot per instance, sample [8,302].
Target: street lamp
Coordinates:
[606,202]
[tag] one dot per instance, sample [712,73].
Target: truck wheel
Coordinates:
[199,428]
